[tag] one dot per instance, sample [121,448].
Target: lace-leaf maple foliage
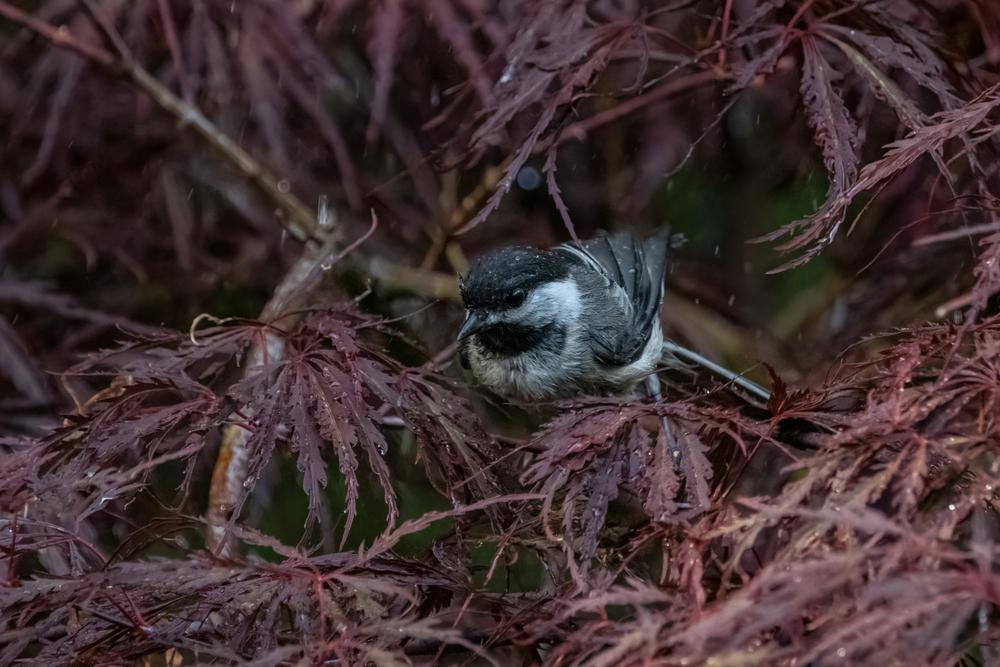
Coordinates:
[387,512]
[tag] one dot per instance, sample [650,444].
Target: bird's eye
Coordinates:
[516,298]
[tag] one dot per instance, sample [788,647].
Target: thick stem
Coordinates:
[233,460]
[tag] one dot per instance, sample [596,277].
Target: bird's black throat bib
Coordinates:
[509,339]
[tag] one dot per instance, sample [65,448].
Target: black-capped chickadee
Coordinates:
[577,318]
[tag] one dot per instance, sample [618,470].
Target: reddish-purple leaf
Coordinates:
[835,131]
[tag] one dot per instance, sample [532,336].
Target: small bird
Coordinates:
[579,318]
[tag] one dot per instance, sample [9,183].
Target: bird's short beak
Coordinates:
[473,323]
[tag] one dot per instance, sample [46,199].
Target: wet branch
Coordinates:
[227,489]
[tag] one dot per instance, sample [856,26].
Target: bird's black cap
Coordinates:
[500,279]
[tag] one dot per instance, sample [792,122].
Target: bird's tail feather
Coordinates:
[736,378]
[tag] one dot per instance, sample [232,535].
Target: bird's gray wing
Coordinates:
[636,267]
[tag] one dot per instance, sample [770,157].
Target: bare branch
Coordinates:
[297,218]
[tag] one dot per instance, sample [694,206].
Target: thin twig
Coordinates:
[60,36]
[463,212]
[297,218]
[681,85]
[173,43]
[726,16]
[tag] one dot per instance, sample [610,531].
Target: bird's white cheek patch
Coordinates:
[562,296]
